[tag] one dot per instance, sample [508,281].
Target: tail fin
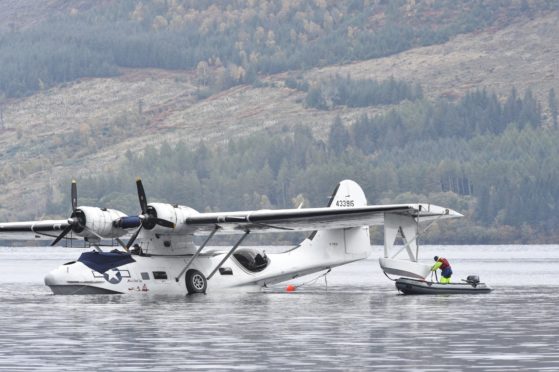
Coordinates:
[343,245]
[347,194]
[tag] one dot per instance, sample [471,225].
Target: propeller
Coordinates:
[148,217]
[63,234]
[76,218]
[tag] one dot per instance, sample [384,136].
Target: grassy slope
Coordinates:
[522,55]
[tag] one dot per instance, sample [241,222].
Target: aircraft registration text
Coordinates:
[345,203]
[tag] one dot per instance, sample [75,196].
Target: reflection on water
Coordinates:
[359,323]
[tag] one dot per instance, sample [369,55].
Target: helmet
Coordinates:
[436,258]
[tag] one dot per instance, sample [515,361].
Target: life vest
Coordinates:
[444,262]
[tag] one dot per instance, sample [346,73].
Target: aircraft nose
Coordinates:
[50,279]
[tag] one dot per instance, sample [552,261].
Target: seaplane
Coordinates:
[161,257]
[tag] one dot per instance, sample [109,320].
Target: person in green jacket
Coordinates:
[446,271]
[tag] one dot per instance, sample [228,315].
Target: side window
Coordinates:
[145,276]
[159,275]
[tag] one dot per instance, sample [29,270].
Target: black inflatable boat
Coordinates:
[470,285]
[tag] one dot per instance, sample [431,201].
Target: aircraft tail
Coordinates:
[347,194]
[325,249]
[342,245]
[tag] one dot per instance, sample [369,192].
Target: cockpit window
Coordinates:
[252,259]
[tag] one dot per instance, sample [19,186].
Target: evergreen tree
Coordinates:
[338,139]
[315,98]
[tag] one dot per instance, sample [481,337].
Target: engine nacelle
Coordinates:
[172,213]
[100,221]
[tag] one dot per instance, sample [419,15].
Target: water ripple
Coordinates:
[355,325]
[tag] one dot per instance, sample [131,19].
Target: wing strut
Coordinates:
[408,243]
[229,254]
[197,253]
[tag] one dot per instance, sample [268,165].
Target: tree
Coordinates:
[315,98]
[338,139]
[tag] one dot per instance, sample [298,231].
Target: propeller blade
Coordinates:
[73,221]
[62,234]
[142,195]
[74,192]
[134,236]
[164,223]
[148,220]
[93,233]
[122,244]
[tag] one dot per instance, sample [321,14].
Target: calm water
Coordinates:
[359,322]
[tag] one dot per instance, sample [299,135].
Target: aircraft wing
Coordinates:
[32,229]
[311,218]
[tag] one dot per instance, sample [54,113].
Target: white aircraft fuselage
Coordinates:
[164,274]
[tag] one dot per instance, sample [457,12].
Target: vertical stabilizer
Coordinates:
[347,194]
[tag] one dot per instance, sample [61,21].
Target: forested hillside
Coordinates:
[241,38]
[494,162]
[265,104]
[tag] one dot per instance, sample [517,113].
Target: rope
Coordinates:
[315,279]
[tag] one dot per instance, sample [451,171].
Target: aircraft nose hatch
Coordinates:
[103,261]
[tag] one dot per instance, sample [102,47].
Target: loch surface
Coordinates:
[357,322]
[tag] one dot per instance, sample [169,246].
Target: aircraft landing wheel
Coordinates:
[195,282]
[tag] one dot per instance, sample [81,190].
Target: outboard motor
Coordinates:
[473,280]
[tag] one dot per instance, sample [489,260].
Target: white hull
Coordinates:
[159,274]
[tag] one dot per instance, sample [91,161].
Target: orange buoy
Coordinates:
[290,288]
